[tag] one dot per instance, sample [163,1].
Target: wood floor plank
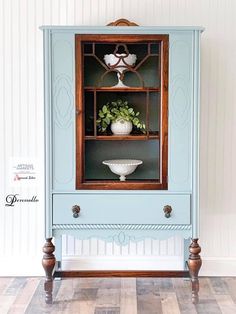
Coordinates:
[37,304]
[226,304]
[15,285]
[6,302]
[231,284]
[108,297]
[165,284]
[81,307]
[10,292]
[24,296]
[4,283]
[169,303]
[148,285]
[218,285]
[206,289]
[110,283]
[110,310]
[207,301]
[90,282]
[128,299]
[148,296]
[208,306]
[83,300]
[183,293]
[64,296]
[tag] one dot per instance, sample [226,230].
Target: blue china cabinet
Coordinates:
[114,185]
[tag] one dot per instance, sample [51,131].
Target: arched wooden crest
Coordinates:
[122,22]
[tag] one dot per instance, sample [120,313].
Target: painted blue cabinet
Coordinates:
[138,212]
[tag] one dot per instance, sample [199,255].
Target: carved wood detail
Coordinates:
[194,265]
[122,22]
[63,101]
[48,263]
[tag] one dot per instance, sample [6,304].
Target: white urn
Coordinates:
[121,127]
[120,62]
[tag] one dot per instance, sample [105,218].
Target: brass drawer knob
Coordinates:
[167,210]
[76,211]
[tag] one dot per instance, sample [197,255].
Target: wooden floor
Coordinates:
[118,296]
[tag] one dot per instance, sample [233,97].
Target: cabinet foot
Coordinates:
[194,265]
[48,263]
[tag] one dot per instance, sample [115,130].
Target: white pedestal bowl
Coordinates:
[122,167]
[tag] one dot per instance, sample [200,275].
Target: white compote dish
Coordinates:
[116,61]
[122,167]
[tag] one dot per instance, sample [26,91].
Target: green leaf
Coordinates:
[107,120]
[104,109]
[104,125]
[126,112]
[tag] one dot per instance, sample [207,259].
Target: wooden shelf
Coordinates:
[121,89]
[126,185]
[134,137]
[121,182]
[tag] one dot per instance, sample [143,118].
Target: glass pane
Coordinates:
[154,113]
[89,113]
[88,48]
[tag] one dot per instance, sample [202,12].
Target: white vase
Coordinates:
[121,127]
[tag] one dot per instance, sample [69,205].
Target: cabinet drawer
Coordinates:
[120,209]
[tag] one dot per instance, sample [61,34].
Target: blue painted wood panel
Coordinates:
[63,116]
[121,209]
[180,111]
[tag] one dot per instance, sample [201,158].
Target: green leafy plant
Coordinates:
[116,111]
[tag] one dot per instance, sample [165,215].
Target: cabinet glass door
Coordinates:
[122,111]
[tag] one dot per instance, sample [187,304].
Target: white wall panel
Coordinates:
[21,122]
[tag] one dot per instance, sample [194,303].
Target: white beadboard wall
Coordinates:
[21,105]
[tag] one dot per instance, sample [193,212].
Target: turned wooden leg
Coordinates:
[48,263]
[194,265]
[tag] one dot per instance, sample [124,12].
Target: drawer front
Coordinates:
[120,209]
